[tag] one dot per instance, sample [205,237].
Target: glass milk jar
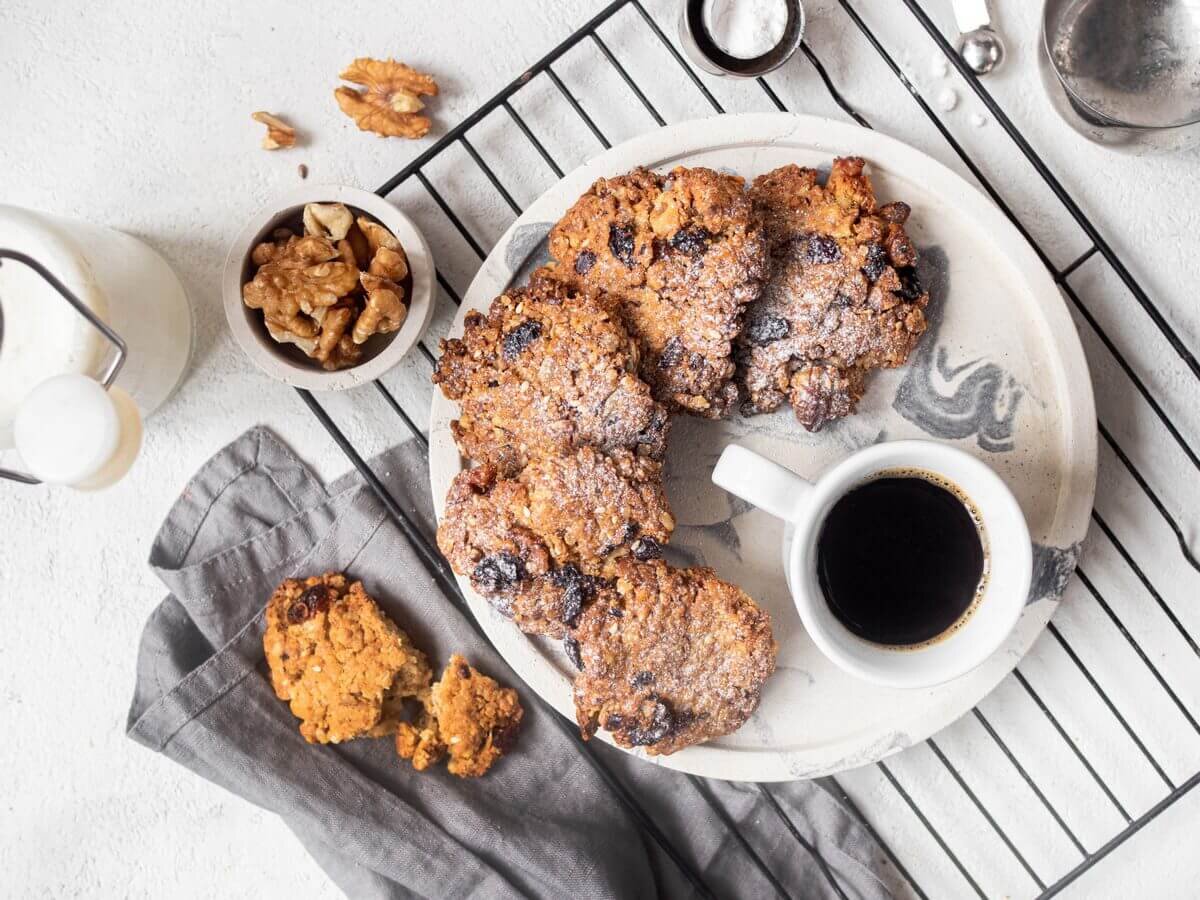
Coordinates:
[54,409]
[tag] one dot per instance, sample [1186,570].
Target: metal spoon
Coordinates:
[978,43]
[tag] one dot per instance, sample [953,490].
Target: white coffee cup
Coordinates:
[1008,566]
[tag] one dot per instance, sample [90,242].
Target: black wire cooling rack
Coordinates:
[1169,788]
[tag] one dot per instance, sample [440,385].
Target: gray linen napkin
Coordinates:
[543,822]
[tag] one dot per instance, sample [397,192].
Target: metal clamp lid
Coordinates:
[110,371]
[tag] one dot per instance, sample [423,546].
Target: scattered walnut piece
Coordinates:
[390,103]
[385,310]
[328,220]
[279,133]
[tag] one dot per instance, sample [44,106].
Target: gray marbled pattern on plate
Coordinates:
[1052,570]
[984,399]
[527,250]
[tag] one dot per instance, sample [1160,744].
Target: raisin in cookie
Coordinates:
[343,666]
[843,299]
[547,370]
[467,715]
[536,545]
[685,255]
[670,657]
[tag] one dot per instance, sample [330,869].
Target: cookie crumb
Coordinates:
[303,170]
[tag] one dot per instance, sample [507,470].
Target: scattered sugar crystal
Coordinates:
[977,120]
[947,99]
[938,67]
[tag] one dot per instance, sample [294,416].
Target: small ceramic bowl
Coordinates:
[286,362]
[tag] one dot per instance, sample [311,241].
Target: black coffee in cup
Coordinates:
[901,559]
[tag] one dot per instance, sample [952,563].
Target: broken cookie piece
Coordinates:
[344,668]
[466,715]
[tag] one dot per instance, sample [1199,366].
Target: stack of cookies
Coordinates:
[654,305]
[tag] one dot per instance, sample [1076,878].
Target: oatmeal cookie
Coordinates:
[843,298]
[548,369]
[467,715]
[685,255]
[342,665]
[536,545]
[671,657]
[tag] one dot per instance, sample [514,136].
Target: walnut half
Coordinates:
[387,259]
[390,103]
[385,310]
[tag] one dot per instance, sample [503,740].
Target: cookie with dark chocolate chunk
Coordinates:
[537,545]
[547,370]
[683,662]
[684,254]
[843,297]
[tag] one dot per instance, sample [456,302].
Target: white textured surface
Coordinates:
[136,115]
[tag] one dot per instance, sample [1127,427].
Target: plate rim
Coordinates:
[732,131]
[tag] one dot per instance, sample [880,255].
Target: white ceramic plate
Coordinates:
[1000,373]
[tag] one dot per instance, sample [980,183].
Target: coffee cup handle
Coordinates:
[760,481]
